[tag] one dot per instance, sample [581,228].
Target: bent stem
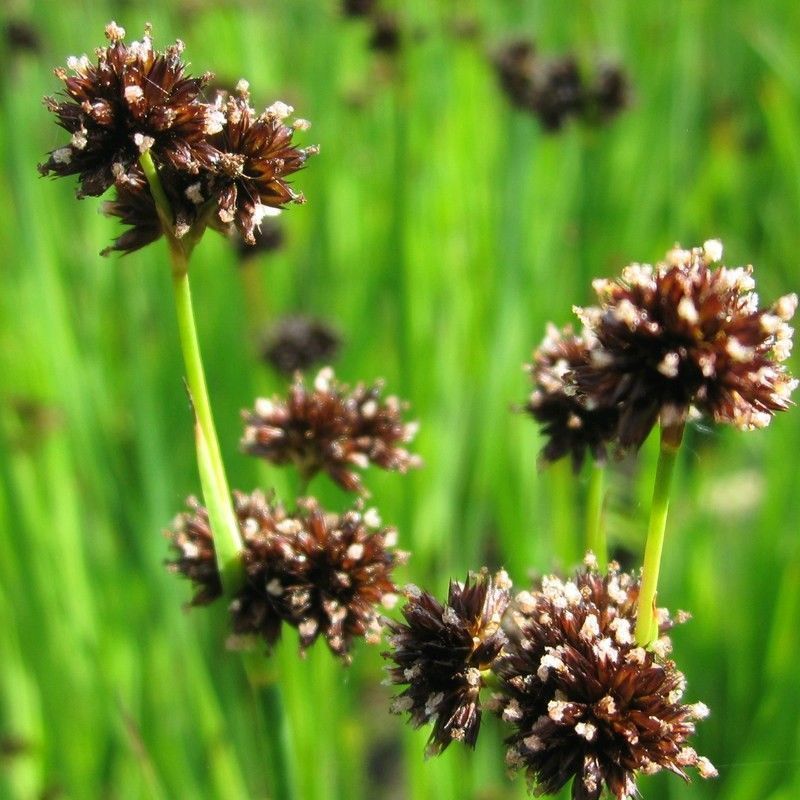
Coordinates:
[595,525]
[216,493]
[646,619]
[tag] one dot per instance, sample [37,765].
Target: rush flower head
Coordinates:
[331,428]
[440,653]
[132,99]
[687,334]
[571,424]
[558,92]
[297,343]
[324,574]
[515,64]
[256,154]
[585,701]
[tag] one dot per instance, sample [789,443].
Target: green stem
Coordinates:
[268,702]
[216,492]
[595,524]
[646,621]
[566,546]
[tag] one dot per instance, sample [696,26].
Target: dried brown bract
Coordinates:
[440,653]
[256,155]
[297,343]
[686,334]
[331,428]
[132,100]
[324,574]
[572,424]
[585,701]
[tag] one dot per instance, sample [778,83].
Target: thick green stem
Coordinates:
[268,702]
[216,492]
[595,524]
[646,620]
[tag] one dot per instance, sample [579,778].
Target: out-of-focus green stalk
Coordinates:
[595,525]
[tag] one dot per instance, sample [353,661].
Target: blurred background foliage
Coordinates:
[443,229]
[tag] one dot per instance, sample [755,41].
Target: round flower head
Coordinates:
[687,334]
[515,63]
[324,574]
[256,156]
[585,701]
[440,653]
[133,99]
[296,343]
[331,429]
[572,425]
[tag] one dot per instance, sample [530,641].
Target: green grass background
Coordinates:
[442,230]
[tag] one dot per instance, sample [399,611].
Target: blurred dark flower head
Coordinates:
[440,653]
[572,425]
[683,336]
[586,703]
[324,574]
[255,156]
[132,100]
[297,343]
[387,34]
[515,63]
[22,36]
[358,8]
[557,92]
[332,428]
[268,238]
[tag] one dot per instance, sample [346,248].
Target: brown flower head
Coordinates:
[22,36]
[358,8]
[609,92]
[440,653]
[190,538]
[297,343]
[331,428]
[323,574]
[572,425]
[558,92]
[515,64]
[256,156]
[133,99]
[686,334]
[586,702]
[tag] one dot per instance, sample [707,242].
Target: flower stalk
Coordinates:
[646,619]
[216,492]
[595,525]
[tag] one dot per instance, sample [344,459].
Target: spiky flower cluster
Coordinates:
[555,91]
[440,653]
[325,575]
[331,428]
[572,425]
[686,334]
[586,702]
[219,163]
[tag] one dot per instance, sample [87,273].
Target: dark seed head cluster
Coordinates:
[556,90]
[299,342]
[441,652]
[326,575]
[585,703]
[219,162]
[330,428]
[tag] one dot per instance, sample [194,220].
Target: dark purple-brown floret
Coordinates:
[297,343]
[588,704]
[557,92]
[686,335]
[132,100]
[329,427]
[324,574]
[256,155]
[440,653]
[573,426]
[515,64]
